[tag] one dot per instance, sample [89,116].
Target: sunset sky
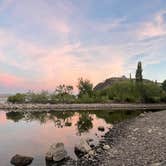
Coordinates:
[44,43]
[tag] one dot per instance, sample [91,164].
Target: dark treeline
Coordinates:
[131,90]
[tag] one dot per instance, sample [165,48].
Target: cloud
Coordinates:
[5,4]
[155,27]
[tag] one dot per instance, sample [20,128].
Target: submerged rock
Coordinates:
[82,148]
[56,152]
[19,160]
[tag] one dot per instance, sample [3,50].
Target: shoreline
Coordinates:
[76,107]
[138,141]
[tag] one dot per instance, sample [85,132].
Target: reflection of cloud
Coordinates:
[2,118]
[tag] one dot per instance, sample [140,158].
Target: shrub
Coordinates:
[18,98]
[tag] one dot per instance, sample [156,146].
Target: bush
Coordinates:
[129,91]
[18,98]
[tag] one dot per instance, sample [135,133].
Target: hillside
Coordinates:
[110,81]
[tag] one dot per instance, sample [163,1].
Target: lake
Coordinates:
[31,133]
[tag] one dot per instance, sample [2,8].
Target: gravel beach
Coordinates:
[137,142]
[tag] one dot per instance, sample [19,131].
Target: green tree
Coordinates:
[164,85]
[85,87]
[63,94]
[138,74]
[18,98]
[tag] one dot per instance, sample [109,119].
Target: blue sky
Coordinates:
[45,43]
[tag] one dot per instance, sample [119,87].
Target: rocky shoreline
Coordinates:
[76,107]
[140,141]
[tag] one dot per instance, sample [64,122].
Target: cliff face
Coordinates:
[108,82]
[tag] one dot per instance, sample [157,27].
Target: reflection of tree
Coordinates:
[60,119]
[15,116]
[38,116]
[84,123]
[116,116]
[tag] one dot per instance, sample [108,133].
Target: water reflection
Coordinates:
[84,122]
[64,119]
[25,131]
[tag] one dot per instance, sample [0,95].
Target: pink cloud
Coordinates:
[156,27]
[10,80]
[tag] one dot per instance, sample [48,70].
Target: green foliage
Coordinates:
[151,93]
[128,91]
[164,85]
[138,74]
[63,94]
[18,98]
[85,88]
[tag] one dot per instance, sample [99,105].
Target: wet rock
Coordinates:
[101,128]
[82,148]
[19,160]
[56,152]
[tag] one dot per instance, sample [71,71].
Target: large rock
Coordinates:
[19,160]
[82,148]
[56,152]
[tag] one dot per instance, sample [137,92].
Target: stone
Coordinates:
[91,153]
[56,152]
[82,148]
[19,160]
[106,147]
[101,128]
[89,140]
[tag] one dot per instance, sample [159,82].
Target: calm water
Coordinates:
[32,133]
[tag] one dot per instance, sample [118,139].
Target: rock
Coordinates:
[101,128]
[150,130]
[56,152]
[89,140]
[82,148]
[106,147]
[91,153]
[19,160]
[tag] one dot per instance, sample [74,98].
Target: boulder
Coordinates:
[82,148]
[101,128]
[19,160]
[56,152]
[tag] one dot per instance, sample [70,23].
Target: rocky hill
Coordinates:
[108,82]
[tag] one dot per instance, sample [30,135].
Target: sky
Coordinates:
[44,43]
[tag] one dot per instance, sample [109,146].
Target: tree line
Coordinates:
[130,90]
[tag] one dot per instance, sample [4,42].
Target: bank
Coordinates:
[76,107]
[140,141]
